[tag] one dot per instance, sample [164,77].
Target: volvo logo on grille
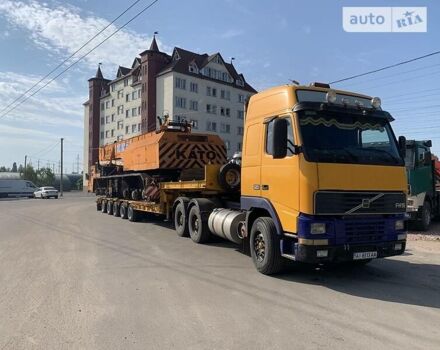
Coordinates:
[365,204]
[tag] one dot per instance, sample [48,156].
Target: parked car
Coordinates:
[46,192]
[16,188]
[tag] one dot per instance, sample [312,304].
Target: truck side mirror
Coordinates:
[402,146]
[279,140]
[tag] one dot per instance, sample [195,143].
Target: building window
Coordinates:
[139,93]
[102,134]
[208,91]
[226,112]
[127,129]
[120,93]
[180,102]
[214,92]
[193,105]
[120,125]
[133,95]
[211,126]
[113,132]
[193,69]
[240,114]
[239,147]
[107,119]
[113,87]
[139,110]
[225,128]
[239,82]
[127,113]
[134,112]
[107,104]
[240,98]
[193,87]
[133,128]
[225,94]
[107,133]
[126,82]
[194,123]
[113,102]
[240,130]
[113,117]
[127,98]
[102,121]
[180,83]
[208,108]
[139,127]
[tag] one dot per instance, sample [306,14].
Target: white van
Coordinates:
[16,188]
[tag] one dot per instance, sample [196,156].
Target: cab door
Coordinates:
[280,177]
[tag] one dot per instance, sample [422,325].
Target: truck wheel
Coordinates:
[132,215]
[98,206]
[109,207]
[198,228]
[265,246]
[123,211]
[425,221]
[115,209]
[103,207]
[180,221]
[229,177]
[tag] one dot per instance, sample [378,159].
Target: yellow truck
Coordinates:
[321,179]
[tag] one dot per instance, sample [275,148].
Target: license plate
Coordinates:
[364,255]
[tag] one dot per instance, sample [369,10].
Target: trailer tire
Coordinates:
[181,220]
[229,177]
[425,221]
[110,208]
[265,246]
[123,211]
[98,206]
[198,228]
[103,207]
[116,209]
[132,215]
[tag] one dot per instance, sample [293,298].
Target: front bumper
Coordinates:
[309,254]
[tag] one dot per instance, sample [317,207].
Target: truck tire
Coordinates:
[115,209]
[132,215]
[265,246]
[98,206]
[229,177]
[123,211]
[103,207]
[198,228]
[110,208]
[181,221]
[425,221]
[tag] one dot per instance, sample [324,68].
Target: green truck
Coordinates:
[423,202]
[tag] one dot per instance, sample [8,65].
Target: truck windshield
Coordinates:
[346,138]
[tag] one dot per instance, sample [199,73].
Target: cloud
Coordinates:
[231,33]
[63,29]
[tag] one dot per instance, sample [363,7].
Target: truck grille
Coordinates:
[351,203]
[365,232]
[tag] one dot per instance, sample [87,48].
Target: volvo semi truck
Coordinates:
[321,179]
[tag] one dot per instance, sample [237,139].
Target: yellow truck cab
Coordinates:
[323,178]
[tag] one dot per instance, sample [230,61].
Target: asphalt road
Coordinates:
[73,278]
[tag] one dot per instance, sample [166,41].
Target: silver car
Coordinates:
[46,192]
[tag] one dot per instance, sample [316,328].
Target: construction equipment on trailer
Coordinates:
[321,178]
[423,183]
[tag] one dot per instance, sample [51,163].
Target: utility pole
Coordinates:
[77,163]
[25,165]
[61,178]
[38,166]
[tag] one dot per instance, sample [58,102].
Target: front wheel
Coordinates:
[265,246]
[425,221]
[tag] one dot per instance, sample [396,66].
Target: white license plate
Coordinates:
[364,255]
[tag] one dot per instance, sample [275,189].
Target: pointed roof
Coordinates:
[153,46]
[99,73]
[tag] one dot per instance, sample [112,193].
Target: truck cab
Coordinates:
[325,168]
[423,198]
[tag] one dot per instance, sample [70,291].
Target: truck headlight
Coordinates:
[317,228]
[399,225]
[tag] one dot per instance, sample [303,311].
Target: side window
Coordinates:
[423,156]
[290,138]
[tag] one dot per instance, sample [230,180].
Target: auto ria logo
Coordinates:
[385,19]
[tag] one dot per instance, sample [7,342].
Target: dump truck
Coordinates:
[321,179]
[423,183]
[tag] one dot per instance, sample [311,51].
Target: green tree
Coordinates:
[45,177]
[30,174]
[3,169]
[14,167]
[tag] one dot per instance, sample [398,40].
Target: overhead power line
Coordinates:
[386,67]
[68,58]
[80,58]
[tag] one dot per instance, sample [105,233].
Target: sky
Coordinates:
[272,42]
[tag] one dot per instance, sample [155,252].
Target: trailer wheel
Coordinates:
[180,221]
[425,221]
[198,228]
[123,211]
[98,206]
[103,207]
[229,177]
[132,215]
[109,207]
[116,209]
[265,246]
